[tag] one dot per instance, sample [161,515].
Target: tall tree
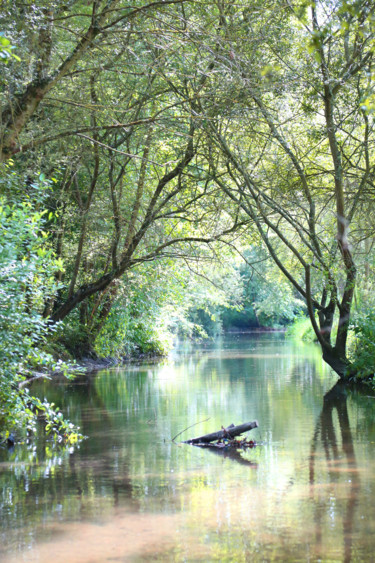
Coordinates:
[293,149]
[130,181]
[56,42]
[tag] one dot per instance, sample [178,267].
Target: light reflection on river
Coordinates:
[130,494]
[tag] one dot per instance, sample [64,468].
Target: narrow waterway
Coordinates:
[127,493]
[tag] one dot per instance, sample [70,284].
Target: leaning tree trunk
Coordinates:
[338,362]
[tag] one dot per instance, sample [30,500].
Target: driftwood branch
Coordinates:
[229,432]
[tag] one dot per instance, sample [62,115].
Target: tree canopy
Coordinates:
[173,132]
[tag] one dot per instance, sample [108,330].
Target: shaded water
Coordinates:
[129,494]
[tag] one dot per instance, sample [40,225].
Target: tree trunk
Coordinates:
[339,363]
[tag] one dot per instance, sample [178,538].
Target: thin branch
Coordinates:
[188,428]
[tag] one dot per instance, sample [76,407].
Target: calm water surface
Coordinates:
[306,493]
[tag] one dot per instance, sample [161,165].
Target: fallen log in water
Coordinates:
[229,432]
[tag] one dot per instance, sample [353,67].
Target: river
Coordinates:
[128,493]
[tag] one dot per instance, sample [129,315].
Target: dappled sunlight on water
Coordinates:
[129,494]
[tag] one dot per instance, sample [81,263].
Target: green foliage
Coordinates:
[158,301]
[361,341]
[139,320]
[55,424]
[131,331]
[27,282]
[214,289]
[362,351]
[268,300]
[6,49]
[301,329]
[204,322]
[73,338]
[241,295]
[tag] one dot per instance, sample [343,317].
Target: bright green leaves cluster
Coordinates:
[363,354]
[27,282]
[6,49]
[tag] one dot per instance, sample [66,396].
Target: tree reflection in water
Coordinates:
[231,453]
[326,436]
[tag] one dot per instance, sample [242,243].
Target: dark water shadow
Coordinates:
[231,453]
[337,443]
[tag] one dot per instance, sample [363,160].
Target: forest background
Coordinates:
[176,167]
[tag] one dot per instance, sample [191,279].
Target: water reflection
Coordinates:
[130,494]
[338,444]
[235,455]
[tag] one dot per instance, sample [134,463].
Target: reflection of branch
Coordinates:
[233,454]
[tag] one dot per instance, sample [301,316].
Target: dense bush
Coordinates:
[27,282]
[129,333]
[362,348]
[139,320]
